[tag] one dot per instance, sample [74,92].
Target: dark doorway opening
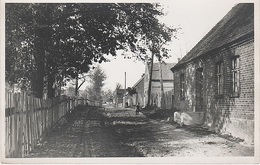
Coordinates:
[199,89]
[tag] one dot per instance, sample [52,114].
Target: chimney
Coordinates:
[179,59]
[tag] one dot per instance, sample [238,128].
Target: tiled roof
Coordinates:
[138,81]
[238,22]
[120,91]
[166,71]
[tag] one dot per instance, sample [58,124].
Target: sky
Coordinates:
[195,17]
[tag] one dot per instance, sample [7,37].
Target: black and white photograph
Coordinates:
[130,81]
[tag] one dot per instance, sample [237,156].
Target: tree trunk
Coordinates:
[40,56]
[77,85]
[150,82]
[162,99]
[50,89]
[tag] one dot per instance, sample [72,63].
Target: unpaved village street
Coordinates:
[110,132]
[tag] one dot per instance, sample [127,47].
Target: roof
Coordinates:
[237,23]
[166,71]
[120,91]
[138,81]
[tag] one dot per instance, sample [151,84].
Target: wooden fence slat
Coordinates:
[6,126]
[24,123]
[41,116]
[16,100]
[27,119]
[12,129]
[20,126]
[6,135]
[33,123]
[37,123]
[26,131]
[10,123]
[30,124]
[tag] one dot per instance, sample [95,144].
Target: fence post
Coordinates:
[15,135]
[20,131]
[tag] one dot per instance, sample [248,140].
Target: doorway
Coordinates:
[199,89]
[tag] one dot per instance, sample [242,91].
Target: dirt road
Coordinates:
[92,132]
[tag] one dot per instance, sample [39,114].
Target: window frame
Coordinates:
[182,83]
[220,78]
[235,76]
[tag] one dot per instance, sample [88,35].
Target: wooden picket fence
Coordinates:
[169,98]
[28,119]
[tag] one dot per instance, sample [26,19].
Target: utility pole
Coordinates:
[125,81]
[125,91]
[150,81]
[162,99]
[77,84]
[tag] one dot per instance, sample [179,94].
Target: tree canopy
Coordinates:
[48,43]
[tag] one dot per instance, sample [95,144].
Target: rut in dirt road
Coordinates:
[85,134]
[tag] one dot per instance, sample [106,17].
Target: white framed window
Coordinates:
[235,65]
[220,78]
[182,82]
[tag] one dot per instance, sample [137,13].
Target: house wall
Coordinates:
[187,103]
[229,114]
[156,91]
[139,96]
[225,114]
[118,100]
[156,86]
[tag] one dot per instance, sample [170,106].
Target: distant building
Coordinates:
[118,98]
[139,95]
[214,82]
[167,77]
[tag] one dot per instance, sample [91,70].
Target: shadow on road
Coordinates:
[99,132]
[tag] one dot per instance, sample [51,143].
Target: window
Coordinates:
[220,77]
[182,86]
[235,74]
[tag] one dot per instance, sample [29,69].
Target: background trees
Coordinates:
[118,86]
[107,95]
[94,90]
[50,44]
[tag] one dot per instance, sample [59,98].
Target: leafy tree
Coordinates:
[97,78]
[118,86]
[49,43]
[107,95]
[70,91]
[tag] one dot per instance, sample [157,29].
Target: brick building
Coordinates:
[167,77]
[214,82]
